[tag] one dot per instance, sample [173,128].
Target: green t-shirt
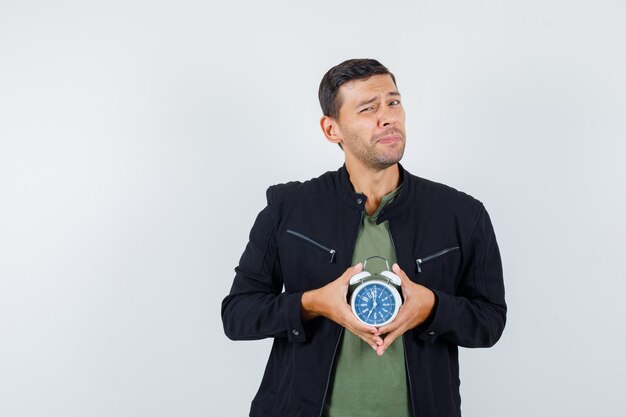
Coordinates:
[363,383]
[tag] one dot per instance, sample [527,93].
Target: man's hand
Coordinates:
[330,302]
[418,304]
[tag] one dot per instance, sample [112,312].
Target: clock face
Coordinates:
[375,304]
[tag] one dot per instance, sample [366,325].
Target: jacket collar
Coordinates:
[356,201]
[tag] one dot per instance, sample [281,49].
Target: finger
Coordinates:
[388,328]
[400,319]
[353,270]
[389,339]
[370,339]
[373,340]
[357,325]
[362,330]
[400,273]
[374,344]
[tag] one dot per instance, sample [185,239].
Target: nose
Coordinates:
[386,116]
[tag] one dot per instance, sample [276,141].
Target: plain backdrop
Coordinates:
[137,139]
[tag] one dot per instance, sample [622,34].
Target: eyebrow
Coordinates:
[373,99]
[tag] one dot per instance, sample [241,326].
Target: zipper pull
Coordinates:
[332,256]
[418,262]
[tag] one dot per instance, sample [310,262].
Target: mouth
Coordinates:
[387,139]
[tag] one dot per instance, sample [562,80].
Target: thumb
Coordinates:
[350,272]
[400,273]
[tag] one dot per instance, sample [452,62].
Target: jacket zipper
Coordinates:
[332,362]
[308,239]
[433,256]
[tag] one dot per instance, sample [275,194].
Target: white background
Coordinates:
[137,139]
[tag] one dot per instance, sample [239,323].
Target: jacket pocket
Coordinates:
[331,252]
[434,256]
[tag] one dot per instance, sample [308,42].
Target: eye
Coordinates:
[395,103]
[366,109]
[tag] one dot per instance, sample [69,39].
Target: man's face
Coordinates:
[371,122]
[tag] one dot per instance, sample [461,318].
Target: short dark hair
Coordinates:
[352,69]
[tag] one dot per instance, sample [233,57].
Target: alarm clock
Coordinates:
[375,301]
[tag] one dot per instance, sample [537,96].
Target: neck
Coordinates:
[373,183]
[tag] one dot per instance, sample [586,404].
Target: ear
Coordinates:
[331,129]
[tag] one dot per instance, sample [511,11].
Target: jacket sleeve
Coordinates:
[475,316]
[257,307]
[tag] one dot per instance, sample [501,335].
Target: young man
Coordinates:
[292,282]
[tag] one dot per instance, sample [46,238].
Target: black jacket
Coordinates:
[443,240]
